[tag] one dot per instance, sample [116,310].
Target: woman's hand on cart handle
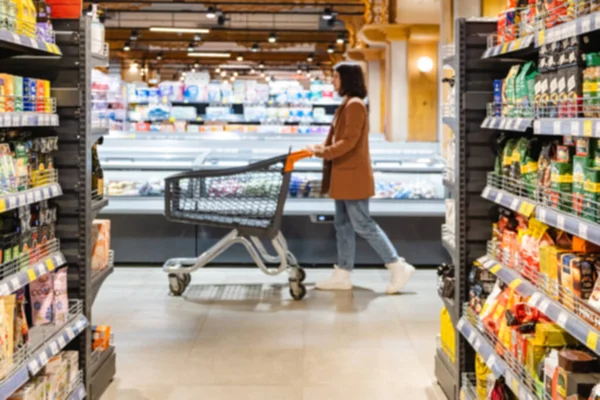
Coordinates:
[316,149]
[296,156]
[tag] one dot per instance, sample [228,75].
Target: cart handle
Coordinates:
[292,158]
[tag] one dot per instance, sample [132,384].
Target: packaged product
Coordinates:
[29,94]
[508,161]
[577,277]
[528,154]
[554,95]
[8,91]
[527,20]
[595,394]
[71,357]
[547,336]
[525,89]
[101,243]
[591,196]
[56,372]
[537,96]
[482,371]
[509,98]
[579,361]
[580,163]
[100,337]
[561,184]
[551,373]
[591,75]
[544,173]
[572,385]
[61,298]
[21,325]
[498,97]
[512,25]
[42,300]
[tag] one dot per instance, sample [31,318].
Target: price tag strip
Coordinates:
[574,225]
[27,119]
[19,199]
[510,201]
[585,24]
[571,323]
[28,42]
[584,127]
[508,47]
[52,347]
[508,124]
[31,273]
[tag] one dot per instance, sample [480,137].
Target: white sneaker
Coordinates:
[401,273]
[339,280]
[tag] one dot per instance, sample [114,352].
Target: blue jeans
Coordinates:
[351,218]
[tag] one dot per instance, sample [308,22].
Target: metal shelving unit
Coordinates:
[474,157]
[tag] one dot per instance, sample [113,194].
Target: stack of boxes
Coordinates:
[18,94]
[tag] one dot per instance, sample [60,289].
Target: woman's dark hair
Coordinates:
[352,80]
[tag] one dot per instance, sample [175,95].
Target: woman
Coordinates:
[348,179]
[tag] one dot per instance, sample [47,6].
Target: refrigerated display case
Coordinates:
[409,200]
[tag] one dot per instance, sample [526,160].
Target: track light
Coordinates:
[261,65]
[134,35]
[127,46]
[255,47]
[190,47]
[197,38]
[330,49]
[340,39]
[272,37]
[218,70]
[211,13]
[159,56]
[232,79]
[196,65]
[299,70]
[221,20]
[268,78]
[240,57]
[310,57]
[223,74]
[262,74]
[327,14]
[235,73]
[252,71]
[193,70]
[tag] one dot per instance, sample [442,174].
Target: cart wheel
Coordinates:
[176,284]
[299,293]
[187,278]
[301,275]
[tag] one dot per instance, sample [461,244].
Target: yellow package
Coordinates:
[447,334]
[481,373]
[549,268]
[547,336]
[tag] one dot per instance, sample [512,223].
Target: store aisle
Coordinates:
[232,337]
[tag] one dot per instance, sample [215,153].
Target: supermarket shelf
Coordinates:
[52,347]
[27,119]
[448,240]
[293,206]
[584,24]
[103,371]
[505,199]
[509,47]
[30,196]
[451,122]
[99,203]
[25,276]
[496,364]
[588,127]
[507,124]
[99,60]
[23,44]
[78,393]
[572,224]
[571,323]
[468,386]
[452,310]
[41,355]
[98,277]
[445,373]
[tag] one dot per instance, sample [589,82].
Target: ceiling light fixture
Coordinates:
[261,65]
[252,71]
[127,46]
[223,74]
[221,20]
[211,13]
[159,56]
[262,74]
[299,70]
[240,57]
[196,65]
[340,39]
[197,38]
[255,47]
[210,55]
[134,34]
[235,73]
[327,14]
[310,57]
[425,64]
[178,30]
[193,70]
[232,79]
[330,49]
[190,47]
[218,70]
[272,37]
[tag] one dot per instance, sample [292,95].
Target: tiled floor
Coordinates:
[236,334]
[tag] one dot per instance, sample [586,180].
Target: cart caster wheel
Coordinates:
[301,275]
[187,278]
[299,293]
[177,285]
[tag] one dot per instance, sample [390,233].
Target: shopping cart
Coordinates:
[248,200]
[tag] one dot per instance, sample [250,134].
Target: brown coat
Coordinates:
[347,171]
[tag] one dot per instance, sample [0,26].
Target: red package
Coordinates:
[501,26]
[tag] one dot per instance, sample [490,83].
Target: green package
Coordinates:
[591,195]
[528,166]
[561,185]
[507,157]
[525,90]
[580,163]
[509,97]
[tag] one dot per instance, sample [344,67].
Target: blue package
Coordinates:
[498,84]
[29,94]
